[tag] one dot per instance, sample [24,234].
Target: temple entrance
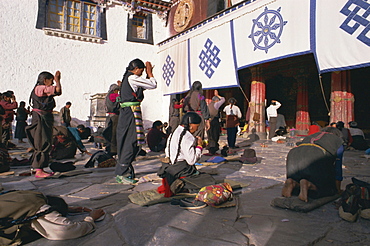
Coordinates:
[361,90]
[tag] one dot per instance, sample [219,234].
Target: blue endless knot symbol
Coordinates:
[168,70]
[209,58]
[267,29]
[357,12]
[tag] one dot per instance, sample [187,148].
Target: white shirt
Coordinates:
[138,81]
[54,226]
[356,132]
[234,110]
[188,151]
[271,110]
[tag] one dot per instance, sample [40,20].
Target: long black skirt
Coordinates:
[127,148]
[20,130]
[39,135]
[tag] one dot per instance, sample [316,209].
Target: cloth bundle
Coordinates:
[215,195]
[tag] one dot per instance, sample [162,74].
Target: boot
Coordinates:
[338,185]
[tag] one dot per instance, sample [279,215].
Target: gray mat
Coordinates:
[293,203]
[68,174]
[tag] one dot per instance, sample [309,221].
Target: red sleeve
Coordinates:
[113,97]
[177,106]
[8,106]
[350,139]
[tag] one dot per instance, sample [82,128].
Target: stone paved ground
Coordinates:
[252,222]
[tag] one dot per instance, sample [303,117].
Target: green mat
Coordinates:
[151,197]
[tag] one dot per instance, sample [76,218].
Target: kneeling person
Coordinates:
[311,166]
[156,138]
[66,142]
[184,150]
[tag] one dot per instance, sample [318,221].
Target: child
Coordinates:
[40,132]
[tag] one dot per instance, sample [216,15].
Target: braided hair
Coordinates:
[133,64]
[187,119]
[40,81]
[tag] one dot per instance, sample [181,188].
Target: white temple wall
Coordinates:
[87,68]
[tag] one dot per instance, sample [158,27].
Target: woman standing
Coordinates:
[233,115]
[21,118]
[40,132]
[195,102]
[130,131]
[112,107]
[174,121]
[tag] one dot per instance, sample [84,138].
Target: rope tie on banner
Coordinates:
[323,95]
[244,93]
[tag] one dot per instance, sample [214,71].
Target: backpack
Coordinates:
[17,210]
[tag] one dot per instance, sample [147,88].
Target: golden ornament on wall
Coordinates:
[183,15]
[337,99]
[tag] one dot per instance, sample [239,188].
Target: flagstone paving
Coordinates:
[251,222]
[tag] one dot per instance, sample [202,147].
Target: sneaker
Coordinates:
[125,180]
[195,204]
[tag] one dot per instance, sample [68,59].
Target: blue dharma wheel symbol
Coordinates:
[267,29]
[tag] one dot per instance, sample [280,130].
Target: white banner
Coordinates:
[270,30]
[342,34]
[211,58]
[174,68]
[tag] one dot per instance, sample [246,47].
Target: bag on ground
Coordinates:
[215,195]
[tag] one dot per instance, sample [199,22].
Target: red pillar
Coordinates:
[302,116]
[341,98]
[257,102]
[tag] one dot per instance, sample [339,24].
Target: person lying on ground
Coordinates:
[44,214]
[311,166]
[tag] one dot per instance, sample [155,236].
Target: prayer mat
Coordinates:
[209,163]
[227,204]
[236,184]
[68,174]
[293,203]
[151,197]
[7,173]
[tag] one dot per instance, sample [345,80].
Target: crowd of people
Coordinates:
[182,140]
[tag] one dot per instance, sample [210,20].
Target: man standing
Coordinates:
[214,131]
[272,116]
[65,115]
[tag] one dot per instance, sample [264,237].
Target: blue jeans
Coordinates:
[338,164]
[231,136]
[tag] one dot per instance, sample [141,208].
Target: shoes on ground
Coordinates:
[125,180]
[192,204]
